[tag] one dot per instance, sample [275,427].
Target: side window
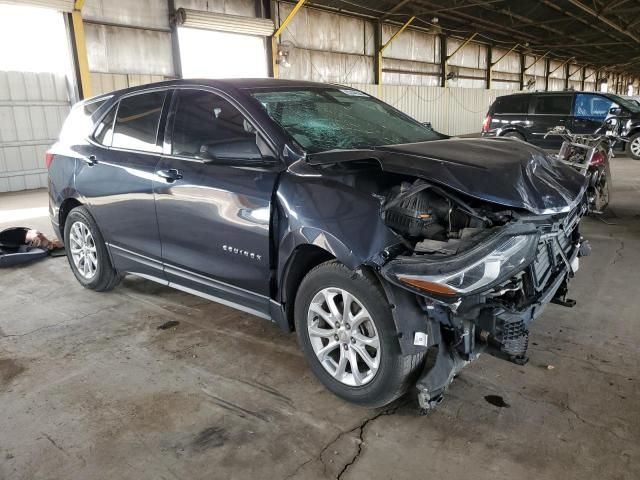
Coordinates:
[553,105]
[512,104]
[593,107]
[104,131]
[136,126]
[205,121]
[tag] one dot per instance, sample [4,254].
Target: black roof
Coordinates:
[233,83]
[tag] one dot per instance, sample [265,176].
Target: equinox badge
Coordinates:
[244,253]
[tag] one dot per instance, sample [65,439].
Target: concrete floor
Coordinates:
[91,388]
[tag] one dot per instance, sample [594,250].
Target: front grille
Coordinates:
[557,241]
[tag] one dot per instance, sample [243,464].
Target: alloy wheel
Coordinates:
[635,147]
[83,250]
[343,336]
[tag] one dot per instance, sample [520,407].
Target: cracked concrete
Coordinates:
[90,388]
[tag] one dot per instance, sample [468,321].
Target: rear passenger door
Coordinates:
[589,112]
[548,111]
[117,181]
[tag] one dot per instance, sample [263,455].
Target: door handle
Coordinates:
[170,175]
[91,160]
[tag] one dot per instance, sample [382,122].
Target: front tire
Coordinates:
[87,252]
[346,331]
[634,147]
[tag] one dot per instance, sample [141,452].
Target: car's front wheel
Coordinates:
[87,252]
[346,331]
[634,146]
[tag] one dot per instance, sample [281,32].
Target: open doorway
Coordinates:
[213,54]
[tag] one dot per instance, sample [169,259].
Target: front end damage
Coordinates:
[487,235]
[479,278]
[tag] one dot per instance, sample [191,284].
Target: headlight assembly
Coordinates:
[507,257]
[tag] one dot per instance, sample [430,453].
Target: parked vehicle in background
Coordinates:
[529,116]
[328,212]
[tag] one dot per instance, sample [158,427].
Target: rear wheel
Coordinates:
[87,252]
[634,146]
[346,332]
[517,135]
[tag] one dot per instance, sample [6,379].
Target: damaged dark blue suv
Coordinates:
[329,213]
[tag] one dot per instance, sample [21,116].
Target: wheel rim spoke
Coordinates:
[83,250]
[346,344]
[355,371]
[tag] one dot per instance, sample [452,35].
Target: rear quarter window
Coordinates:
[516,104]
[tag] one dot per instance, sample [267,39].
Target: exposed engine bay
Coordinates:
[482,272]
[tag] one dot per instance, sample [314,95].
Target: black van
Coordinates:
[529,116]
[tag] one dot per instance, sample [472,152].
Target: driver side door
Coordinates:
[214,217]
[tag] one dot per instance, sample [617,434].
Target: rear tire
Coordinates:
[517,135]
[354,353]
[633,147]
[87,252]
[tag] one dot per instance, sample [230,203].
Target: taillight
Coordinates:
[486,123]
[48,159]
[598,158]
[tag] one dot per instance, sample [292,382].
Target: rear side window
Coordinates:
[553,105]
[136,126]
[512,104]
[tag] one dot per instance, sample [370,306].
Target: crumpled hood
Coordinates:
[505,171]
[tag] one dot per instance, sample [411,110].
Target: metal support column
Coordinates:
[566,76]
[547,67]
[377,60]
[490,65]
[276,36]
[175,44]
[80,59]
[583,72]
[443,60]
[522,70]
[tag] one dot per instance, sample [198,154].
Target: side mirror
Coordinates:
[428,125]
[232,152]
[616,111]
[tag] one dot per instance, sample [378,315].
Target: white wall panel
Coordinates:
[32,109]
[138,13]
[454,111]
[128,50]
[245,8]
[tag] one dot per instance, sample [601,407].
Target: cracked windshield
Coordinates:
[322,119]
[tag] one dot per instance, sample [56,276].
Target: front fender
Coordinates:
[322,211]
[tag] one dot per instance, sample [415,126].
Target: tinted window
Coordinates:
[323,119]
[137,121]
[204,119]
[593,107]
[553,104]
[512,104]
[104,131]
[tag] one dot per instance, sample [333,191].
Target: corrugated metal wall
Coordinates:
[454,111]
[32,109]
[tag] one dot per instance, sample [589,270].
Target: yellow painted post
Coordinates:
[278,32]
[81,49]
